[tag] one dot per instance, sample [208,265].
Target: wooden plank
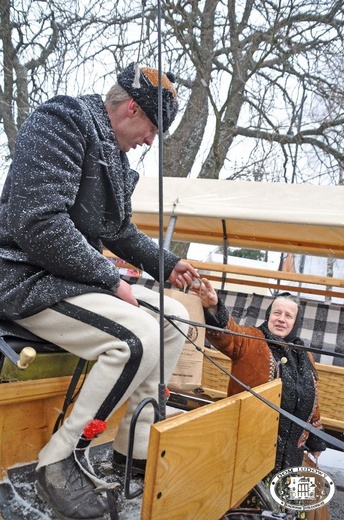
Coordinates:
[28,411]
[332,424]
[253,271]
[27,426]
[16,392]
[276,286]
[324,368]
[192,458]
[215,381]
[257,435]
[191,463]
[266,274]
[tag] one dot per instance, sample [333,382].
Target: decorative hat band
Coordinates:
[142,85]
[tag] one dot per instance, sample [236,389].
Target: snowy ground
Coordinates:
[18,500]
[332,463]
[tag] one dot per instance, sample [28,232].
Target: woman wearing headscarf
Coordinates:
[257,359]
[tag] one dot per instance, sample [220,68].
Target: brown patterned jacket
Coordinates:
[254,362]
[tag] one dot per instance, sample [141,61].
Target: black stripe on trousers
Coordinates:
[114,329]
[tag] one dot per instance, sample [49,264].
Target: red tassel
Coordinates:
[167,394]
[94,428]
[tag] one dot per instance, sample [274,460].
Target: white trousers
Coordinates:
[127,367]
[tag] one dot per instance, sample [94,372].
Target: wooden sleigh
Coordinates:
[200,463]
[204,461]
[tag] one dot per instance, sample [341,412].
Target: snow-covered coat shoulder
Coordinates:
[68,193]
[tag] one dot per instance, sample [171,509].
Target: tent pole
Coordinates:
[225,253]
[162,384]
[169,231]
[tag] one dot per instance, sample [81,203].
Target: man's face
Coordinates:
[282,317]
[132,127]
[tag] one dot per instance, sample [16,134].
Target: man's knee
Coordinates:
[174,307]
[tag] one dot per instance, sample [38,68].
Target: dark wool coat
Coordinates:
[255,362]
[68,193]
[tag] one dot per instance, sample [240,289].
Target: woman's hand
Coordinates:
[206,292]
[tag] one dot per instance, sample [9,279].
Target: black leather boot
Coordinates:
[69,492]
[138,466]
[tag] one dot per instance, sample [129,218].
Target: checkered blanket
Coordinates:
[322,324]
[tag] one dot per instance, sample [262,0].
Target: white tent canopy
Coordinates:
[293,218]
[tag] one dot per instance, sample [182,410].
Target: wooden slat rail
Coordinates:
[265,274]
[277,286]
[269,275]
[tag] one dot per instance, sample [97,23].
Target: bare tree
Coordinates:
[260,81]
[49,47]
[267,69]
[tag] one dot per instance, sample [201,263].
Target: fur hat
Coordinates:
[141,83]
